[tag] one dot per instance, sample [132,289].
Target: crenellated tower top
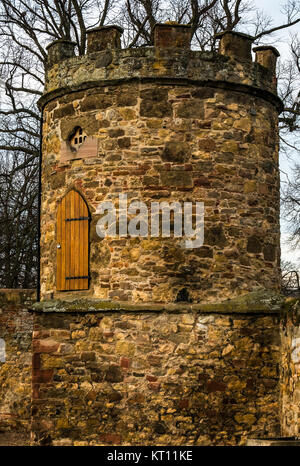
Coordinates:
[169,59]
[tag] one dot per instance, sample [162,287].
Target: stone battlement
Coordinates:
[167,61]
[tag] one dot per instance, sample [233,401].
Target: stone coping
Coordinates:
[60,41]
[102,28]
[234,33]
[172,24]
[266,47]
[257,302]
[274,442]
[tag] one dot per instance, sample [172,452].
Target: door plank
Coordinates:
[73,237]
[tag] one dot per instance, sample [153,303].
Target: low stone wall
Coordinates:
[179,375]
[109,373]
[290,370]
[15,359]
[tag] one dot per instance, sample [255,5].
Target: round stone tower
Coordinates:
[135,341]
[160,124]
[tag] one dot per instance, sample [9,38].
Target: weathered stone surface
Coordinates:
[290,369]
[104,37]
[215,236]
[94,102]
[177,179]
[269,252]
[155,103]
[16,325]
[174,141]
[64,111]
[175,151]
[170,374]
[60,50]
[235,44]
[171,35]
[150,62]
[191,109]
[254,245]
[58,180]
[104,59]
[256,302]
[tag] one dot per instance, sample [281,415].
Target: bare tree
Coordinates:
[18,225]
[290,140]
[290,285]
[26,27]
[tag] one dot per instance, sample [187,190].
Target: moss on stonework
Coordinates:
[260,301]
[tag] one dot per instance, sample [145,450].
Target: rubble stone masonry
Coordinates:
[290,370]
[169,375]
[16,325]
[170,125]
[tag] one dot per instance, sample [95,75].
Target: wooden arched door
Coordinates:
[72,271]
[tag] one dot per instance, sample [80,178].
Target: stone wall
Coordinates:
[15,359]
[172,374]
[165,123]
[290,370]
[175,375]
[169,143]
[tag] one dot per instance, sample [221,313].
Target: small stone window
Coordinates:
[78,144]
[77,138]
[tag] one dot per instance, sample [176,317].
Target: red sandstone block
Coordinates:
[35,391]
[45,346]
[183,404]
[42,376]
[202,181]
[125,363]
[155,386]
[108,334]
[151,378]
[36,361]
[215,386]
[112,439]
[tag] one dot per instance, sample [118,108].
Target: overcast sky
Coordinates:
[281,40]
